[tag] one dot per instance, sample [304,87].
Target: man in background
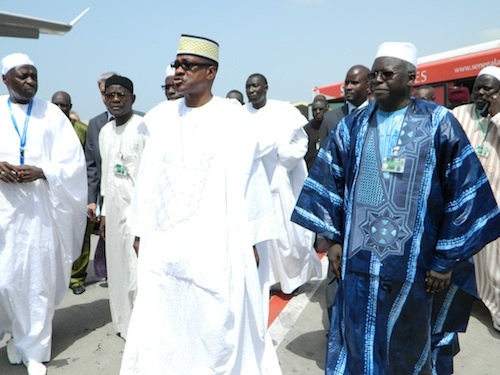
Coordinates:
[292,257]
[121,142]
[319,107]
[235,94]
[356,92]
[425,92]
[93,158]
[169,87]
[481,123]
[79,269]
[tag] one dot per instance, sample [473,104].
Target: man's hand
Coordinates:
[29,173]
[102,228]
[437,281]
[335,259]
[91,212]
[137,242]
[8,173]
[494,104]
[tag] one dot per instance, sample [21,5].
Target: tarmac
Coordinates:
[84,341]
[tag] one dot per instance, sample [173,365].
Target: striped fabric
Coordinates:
[487,261]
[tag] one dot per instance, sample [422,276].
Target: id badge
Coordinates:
[483,151]
[120,170]
[393,165]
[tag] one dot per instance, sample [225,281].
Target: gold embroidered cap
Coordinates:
[198,46]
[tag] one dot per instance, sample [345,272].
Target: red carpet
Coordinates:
[279,300]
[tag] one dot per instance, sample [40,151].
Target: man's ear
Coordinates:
[211,72]
[411,80]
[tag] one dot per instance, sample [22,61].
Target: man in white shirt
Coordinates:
[121,142]
[42,213]
[292,259]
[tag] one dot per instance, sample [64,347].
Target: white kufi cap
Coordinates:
[492,71]
[169,71]
[13,60]
[399,50]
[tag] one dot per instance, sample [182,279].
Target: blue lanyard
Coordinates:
[25,130]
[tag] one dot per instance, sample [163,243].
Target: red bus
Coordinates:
[449,71]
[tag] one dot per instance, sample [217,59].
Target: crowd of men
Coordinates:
[404,191]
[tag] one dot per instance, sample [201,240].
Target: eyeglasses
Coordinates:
[166,87]
[120,95]
[386,75]
[187,65]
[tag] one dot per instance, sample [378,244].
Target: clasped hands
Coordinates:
[19,173]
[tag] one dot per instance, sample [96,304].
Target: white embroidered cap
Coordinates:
[169,71]
[491,70]
[400,50]
[13,60]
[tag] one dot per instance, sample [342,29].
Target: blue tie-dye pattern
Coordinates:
[322,191]
[419,227]
[371,315]
[447,339]
[396,310]
[467,195]
[423,358]
[459,242]
[324,156]
[318,222]
[342,361]
[445,309]
[459,160]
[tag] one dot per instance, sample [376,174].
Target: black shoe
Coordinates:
[78,289]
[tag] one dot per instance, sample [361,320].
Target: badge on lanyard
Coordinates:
[121,170]
[483,151]
[393,165]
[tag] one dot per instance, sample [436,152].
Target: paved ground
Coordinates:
[84,341]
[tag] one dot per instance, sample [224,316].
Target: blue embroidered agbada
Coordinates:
[435,214]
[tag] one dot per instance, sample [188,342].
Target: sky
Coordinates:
[296,44]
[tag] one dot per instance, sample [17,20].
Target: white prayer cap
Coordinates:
[13,60]
[491,70]
[403,51]
[169,71]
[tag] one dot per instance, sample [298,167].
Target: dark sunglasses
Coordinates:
[385,74]
[187,65]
